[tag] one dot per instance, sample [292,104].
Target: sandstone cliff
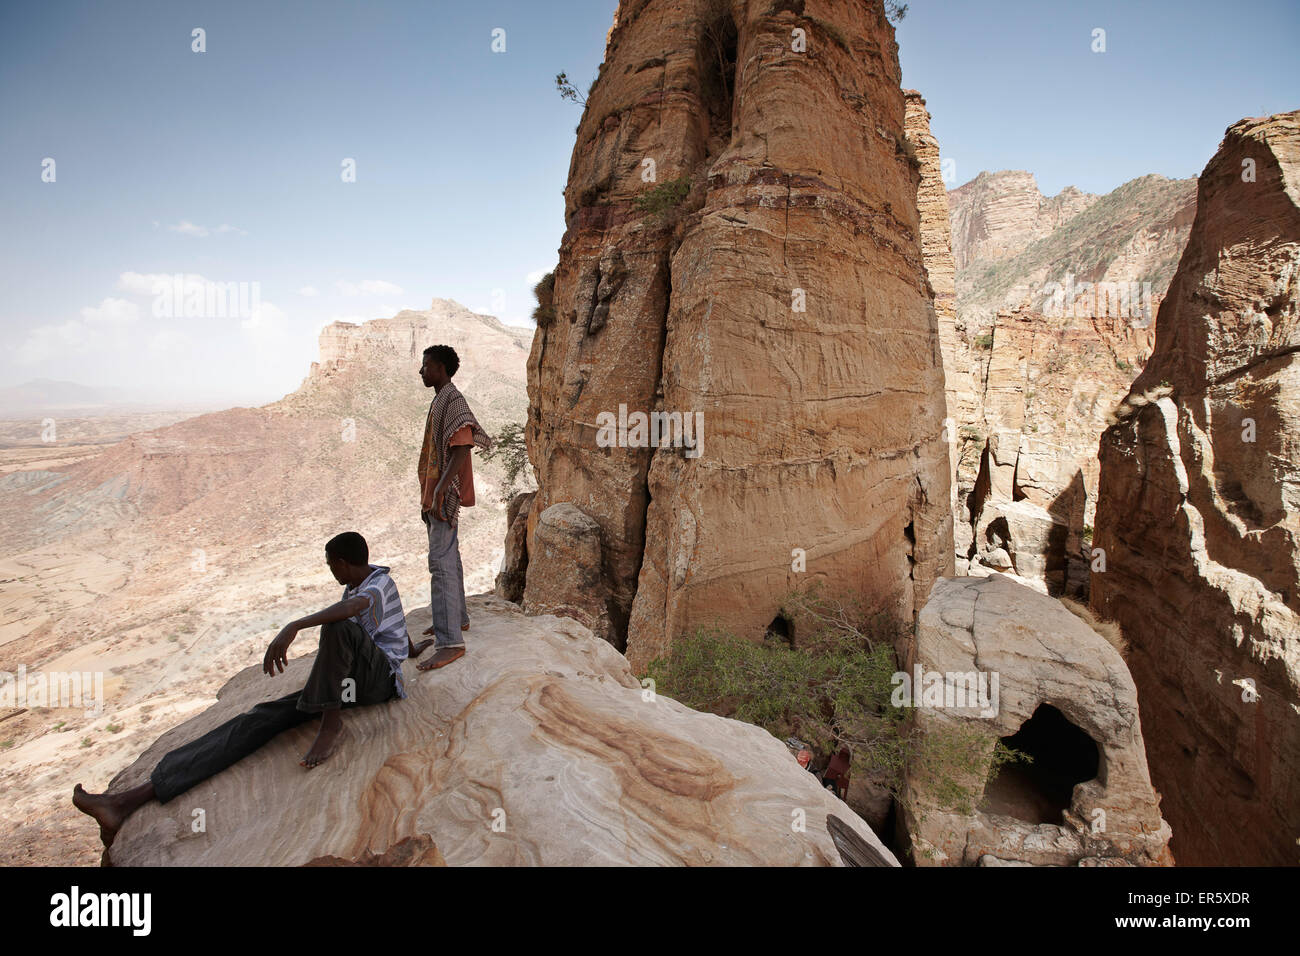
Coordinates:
[784,274]
[1199,515]
[996,215]
[539,747]
[963,363]
[1073,254]
[1056,301]
[1028,473]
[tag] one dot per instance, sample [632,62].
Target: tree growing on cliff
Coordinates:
[570,92]
[510,446]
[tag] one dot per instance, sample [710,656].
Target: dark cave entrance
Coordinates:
[1039,792]
[716,56]
[780,631]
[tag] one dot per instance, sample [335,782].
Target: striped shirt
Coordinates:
[384,621]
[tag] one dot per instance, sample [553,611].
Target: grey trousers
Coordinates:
[345,652]
[446,583]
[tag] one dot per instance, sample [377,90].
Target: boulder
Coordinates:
[514,565]
[539,747]
[1087,794]
[565,571]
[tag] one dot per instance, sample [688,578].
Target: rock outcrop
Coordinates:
[742,229]
[512,578]
[539,747]
[1199,513]
[1050,388]
[564,570]
[1056,300]
[1054,689]
[962,361]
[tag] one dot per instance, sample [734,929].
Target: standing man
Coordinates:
[446,483]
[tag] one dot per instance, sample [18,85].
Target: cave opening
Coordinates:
[780,631]
[1062,756]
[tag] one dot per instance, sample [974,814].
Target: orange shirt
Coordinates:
[465,436]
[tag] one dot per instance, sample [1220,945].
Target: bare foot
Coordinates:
[327,740]
[110,810]
[443,657]
[465,626]
[427,630]
[415,650]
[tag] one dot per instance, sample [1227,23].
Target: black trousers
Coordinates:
[345,652]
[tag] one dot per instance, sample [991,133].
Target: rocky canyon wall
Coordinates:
[1055,300]
[767,283]
[1199,514]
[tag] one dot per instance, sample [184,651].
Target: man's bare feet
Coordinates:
[110,810]
[415,650]
[327,740]
[443,657]
[429,629]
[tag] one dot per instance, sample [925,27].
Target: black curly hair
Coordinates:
[446,355]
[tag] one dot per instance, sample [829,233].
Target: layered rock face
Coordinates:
[996,215]
[1053,688]
[1199,513]
[1050,387]
[539,747]
[1074,254]
[782,302]
[962,362]
[1056,301]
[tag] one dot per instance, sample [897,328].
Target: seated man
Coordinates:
[363,641]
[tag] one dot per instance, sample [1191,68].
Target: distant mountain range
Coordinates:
[1009,240]
[52,397]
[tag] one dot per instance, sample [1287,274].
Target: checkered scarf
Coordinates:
[448,414]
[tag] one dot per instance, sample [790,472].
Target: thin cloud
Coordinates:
[187,228]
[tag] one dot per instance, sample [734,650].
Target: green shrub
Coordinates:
[833,689]
[984,341]
[665,197]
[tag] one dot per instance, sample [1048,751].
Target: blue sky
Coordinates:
[226,164]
